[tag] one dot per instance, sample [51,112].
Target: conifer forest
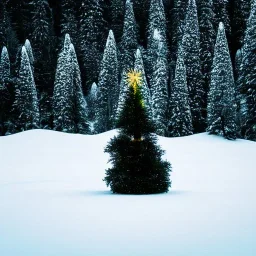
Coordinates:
[64,65]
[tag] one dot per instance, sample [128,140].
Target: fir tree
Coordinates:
[179,118]
[191,46]
[159,92]
[139,67]
[247,78]
[134,154]
[108,87]
[207,38]
[26,101]
[178,14]
[30,54]
[63,103]
[80,104]
[92,32]
[4,65]
[129,40]
[92,99]
[221,98]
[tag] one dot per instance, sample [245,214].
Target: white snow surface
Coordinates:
[53,201]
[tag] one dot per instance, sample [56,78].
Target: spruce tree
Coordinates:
[144,88]
[159,92]
[80,104]
[30,54]
[179,116]
[92,33]
[207,38]
[63,102]
[247,78]
[129,40]
[26,101]
[137,167]
[221,108]
[191,47]
[4,65]
[108,87]
[92,99]
[178,14]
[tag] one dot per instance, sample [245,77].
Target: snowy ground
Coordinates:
[53,201]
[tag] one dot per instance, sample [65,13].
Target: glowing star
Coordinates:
[134,78]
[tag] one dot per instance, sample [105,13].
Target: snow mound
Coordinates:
[53,201]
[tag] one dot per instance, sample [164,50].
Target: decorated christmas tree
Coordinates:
[137,165]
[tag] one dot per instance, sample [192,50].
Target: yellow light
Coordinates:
[134,78]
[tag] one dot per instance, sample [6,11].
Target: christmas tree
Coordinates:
[137,165]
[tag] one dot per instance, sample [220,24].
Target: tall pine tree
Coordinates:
[221,108]
[179,113]
[191,47]
[26,101]
[129,40]
[247,78]
[108,87]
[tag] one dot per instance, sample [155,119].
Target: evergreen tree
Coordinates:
[134,154]
[221,98]
[92,32]
[30,54]
[247,78]
[207,38]
[108,87]
[92,99]
[159,92]
[129,40]
[63,102]
[191,47]
[179,116]
[26,101]
[80,104]
[145,92]
[4,65]
[178,14]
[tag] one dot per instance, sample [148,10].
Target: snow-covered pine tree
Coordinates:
[159,92]
[30,54]
[92,35]
[145,92]
[191,47]
[137,165]
[207,38]
[221,110]
[247,78]
[179,113]
[129,40]
[92,99]
[178,14]
[43,41]
[4,65]
[108,87]
[63,103]
[80,104]
[26,101]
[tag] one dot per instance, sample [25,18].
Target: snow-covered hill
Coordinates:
[53,201]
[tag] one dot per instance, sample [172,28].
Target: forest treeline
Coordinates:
[64,64]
